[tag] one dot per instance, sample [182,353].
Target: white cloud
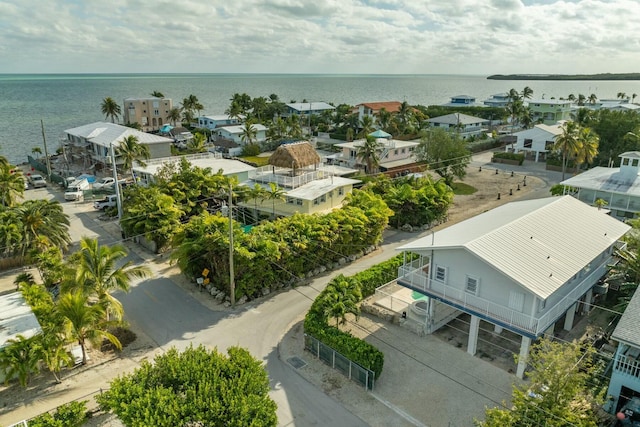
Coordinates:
[333,36]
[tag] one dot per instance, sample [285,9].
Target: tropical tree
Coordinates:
[444,152]
[384,118]
[174,115]
[191,104]
[275,193]
[581,99]
[369,153]
[50,345]
[37,151]
[249,133]
[633,97]
[100,272]
[526,93]
[84,322]
[621,95]
[571,97]
[43,222]
[20,359]
[130,151]
[592,98]
[557,392]
[147,212]
[567,143]
[257,193]
[259,106]
[110,109]
[197,386]
[11,184]
[587,149]
[366,126]
[157,94]
[342,298]
[197,144]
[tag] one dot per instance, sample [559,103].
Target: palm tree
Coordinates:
[633,97]
[20,358]
[157,94]
[404,114]
[36,150]
[11,184]
[621,95]
[110,108]
[369,152]
[366,126]
[514,108]
[255,194]
[592,98]
[174,115]
[99,273]
[198,143]
[51,350]
[249,133]
[384,118]
[583,116]
[275,193]
[84,322]
[130,150]
[43,221]
[259,106]
[343,298]
[526,93]
[571,97]
[588,147]
[581,99]
[567,143]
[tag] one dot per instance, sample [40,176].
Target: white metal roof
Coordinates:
[313,106]
[387,143]
[628,328]
[237,130]
[540,244]
[317,188]
[604,179]
[457,118]
[104,133]
[16,318]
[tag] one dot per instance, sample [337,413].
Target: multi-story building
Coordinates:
[150,113]
[550,111]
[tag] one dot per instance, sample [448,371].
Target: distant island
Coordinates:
[602,76]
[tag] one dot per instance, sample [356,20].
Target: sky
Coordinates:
[469,37]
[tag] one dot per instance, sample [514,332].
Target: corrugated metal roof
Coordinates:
[103,133]
[540,244]
[628,328]
[457,118]
[16,318]
[606,180]
[317,188]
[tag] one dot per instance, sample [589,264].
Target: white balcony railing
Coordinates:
[627,365]
[283,178]
[418,279]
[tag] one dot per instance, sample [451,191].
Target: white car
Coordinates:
[102,183]
[37,181]
[108,202]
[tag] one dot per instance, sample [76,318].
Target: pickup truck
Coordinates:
[108,202]
[37,181]
[75,190]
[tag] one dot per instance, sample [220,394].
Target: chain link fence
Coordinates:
[328,355]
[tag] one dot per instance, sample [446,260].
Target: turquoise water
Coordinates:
[418,296]
[64,101]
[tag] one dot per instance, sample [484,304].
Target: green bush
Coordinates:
[251,150]
[484,145]
[378,275]
[509,156]
[72,414]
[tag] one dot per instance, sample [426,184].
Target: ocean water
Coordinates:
[64,101]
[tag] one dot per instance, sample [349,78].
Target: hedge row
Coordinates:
[509,156]
[357,350]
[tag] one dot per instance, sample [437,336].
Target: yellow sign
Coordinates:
[205,272]
[206,281]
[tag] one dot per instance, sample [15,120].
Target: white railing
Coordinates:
[280,176]
[161,160]
[627,365]
[418,279]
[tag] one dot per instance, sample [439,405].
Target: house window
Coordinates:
[441,273]
[340,191]
[290,200]
[156,112]
[528,143]
[625,161]
[472,285]
[542,304]
[516,301]
[352,154]
[299,202]
[404,151]
[634,162]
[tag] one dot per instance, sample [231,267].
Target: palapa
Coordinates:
[294,156]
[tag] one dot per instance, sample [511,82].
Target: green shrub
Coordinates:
[72,414]
[484,145]
[509,156]
[251,150]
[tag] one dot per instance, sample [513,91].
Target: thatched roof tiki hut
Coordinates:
[294,156]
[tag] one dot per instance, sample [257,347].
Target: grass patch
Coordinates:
[260,161]
[462,189]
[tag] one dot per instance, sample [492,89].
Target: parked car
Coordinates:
[108,202]
[37,181]
[76,190]
[103,183]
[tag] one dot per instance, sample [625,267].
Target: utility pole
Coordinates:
[232,283]
[116,184]
[46,153]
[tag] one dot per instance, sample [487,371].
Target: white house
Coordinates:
[497,100]
[213,161]
[619,187]
[308,108]
[462,101]
[625,374]
[464,124]
[372,109]
[215,121]
[522,267]
[537,141]
[93,141]
[234,133]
